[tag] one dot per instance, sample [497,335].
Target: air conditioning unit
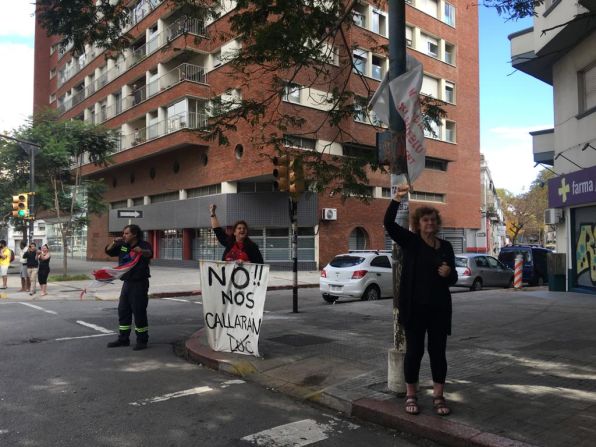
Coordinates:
[329,213]
[552,216]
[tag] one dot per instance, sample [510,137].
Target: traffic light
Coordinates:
[281,173]
[20,205]
[296,178]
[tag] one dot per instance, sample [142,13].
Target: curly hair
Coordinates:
[421,212]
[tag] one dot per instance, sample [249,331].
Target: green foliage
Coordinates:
[513,9]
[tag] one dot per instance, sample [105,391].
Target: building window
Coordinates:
[427,196]
[358,239]
[587,88]
[386,193]
[435,164]
[428,6]
[359,61]
[52,98]
[409,36]
[120,204]
[203,191]
[379,23]
[359,14]
[434,132]
[449,53]
[292,93]
[138,201]
[165,197]
[300,142]
[449,14]
[366,153]
[449,92]
[430,86]
[170,245]
[378,67]
[450,131]
[432,46]
[217,59]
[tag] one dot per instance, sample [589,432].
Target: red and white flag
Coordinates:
[107,275]
[405,90]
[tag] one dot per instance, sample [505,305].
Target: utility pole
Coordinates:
[397,66]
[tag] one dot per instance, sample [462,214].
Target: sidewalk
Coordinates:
[522,367]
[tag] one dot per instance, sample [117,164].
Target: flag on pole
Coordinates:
[405,90]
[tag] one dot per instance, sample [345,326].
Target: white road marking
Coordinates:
[295,434]
[189,392]
[198,302]
[176,299]
[227,383]
[3,432]
[103,330]
[39,308]
[83,336]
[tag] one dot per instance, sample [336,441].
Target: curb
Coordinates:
[386,413]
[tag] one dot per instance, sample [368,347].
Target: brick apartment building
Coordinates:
[156,95]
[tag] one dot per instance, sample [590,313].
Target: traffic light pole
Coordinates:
[32,195]
[294,221]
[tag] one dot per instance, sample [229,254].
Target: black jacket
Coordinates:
[141,270]
[251,249]
[410,243]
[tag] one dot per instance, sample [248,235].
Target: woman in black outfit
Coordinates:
[239,247]
[424,300]
[44,268]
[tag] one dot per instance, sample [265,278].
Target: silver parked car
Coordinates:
[364,274]
[475,270]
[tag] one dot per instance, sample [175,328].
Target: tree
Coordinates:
[61,192]
[524,213]
[282,43]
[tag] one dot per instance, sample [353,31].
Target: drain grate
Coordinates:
[300,340]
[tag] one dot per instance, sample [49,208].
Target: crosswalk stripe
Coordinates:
[176,299]
[177,394]
[39,308]
[103,330]
[83,336]
[294,434]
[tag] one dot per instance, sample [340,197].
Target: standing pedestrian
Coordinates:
[424,302]
[32,266]
[25,283]
[133,253]
[44,269]
[238,246]
[4,262]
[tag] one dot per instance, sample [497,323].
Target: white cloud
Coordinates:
[17,18]
[16,85]
[508,151]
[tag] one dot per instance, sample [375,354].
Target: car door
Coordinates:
[498,275]
[381,268]
[482,270]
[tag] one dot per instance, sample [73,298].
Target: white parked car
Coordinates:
[364,274]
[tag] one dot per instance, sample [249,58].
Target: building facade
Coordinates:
[157,96]
[564,56]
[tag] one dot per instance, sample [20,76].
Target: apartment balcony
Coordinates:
[179,27]
[543,146]
[186,120]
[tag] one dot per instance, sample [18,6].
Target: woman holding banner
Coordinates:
[238,246]
[424,301]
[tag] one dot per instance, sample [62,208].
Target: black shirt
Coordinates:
[124,252]
[31,257]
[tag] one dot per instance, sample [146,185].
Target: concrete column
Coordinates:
[187,234]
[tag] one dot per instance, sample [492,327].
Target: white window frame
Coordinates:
[450,127]
[362,56]
[292,93]
[449,14]
[431,41]
[586,80]
[445,96]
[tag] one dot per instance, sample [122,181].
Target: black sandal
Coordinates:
[412,405]
[441,408]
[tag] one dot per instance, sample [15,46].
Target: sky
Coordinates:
[511,102]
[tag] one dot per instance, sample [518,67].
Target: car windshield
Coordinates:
[346,261]
[461,262]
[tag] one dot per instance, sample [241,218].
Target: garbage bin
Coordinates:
[556,272]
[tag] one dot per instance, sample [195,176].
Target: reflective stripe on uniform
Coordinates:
[124,328]
[142,329]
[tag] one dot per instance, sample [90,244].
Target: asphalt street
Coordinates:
[60,385]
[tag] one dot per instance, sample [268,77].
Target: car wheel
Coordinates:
[371,293]
[476,285]
[329,298]
[540,281]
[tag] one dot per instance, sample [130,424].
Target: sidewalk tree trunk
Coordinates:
[62,194]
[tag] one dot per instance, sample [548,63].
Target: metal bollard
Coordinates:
[518,273]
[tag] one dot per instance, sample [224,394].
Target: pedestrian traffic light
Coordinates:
[281,173]
[296,178]
[20,205]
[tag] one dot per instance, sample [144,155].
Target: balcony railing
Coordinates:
[180,26]
[185,120]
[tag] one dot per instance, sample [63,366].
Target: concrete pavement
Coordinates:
[522,365]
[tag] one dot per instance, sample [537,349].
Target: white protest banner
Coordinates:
[233,303]
[405,90]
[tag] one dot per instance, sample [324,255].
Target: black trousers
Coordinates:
[437,345]
[133,302]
